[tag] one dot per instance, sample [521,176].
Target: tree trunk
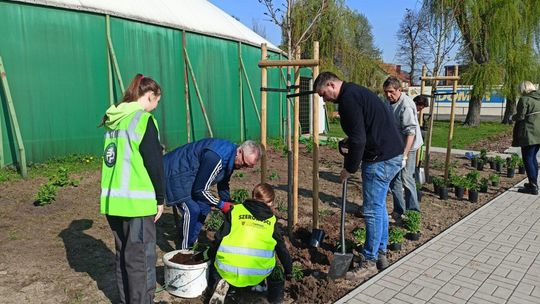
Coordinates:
[509,111]
[473,115]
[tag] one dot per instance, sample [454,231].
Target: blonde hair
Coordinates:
[525,87]
[264,193]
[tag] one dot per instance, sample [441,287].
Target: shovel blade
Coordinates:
[340,265]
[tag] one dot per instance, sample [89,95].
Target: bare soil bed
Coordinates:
[64,252]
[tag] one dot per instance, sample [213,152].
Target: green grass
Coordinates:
[463,136]
[73,163]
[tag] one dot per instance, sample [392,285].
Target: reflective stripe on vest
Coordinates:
[246,255]
[120,199]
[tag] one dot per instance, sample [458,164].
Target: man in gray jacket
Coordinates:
[403,186]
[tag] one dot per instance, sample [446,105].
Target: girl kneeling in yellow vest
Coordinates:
[246,244]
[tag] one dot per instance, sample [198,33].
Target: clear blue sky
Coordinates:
[384,17]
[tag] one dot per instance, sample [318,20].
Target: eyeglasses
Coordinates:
[244,163]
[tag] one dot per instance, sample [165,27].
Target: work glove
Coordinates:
[403,162]
[225,207]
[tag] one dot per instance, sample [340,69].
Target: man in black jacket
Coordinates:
[373,140]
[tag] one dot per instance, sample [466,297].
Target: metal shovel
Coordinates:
[342,260]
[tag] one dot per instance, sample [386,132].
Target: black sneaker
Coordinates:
[382,262]
[529,190]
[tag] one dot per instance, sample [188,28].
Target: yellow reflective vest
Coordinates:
[126,187]
[246,255]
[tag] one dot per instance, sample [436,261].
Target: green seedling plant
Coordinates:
[239,195]
[273,176]
[325,212]
[483,154]
[297,272]
[413,221]
[514,160]
[494,178]
[201,247]
[498,160]
[61,178]
[349,245]
[277,143]
[332,142]
[277,274]
[214,221]
[359,235]
[239,174]
[473,176]
[46,193]
[281,206]
[396,235]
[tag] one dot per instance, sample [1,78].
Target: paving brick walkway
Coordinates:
[492,256]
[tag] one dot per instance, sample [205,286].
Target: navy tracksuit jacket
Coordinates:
[190,170]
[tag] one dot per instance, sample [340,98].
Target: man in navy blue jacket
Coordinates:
[374,140]
[191,169]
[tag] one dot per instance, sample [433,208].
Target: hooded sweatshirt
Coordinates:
[261,212]
[527,118]
[150,147]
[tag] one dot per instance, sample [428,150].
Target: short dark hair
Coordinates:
[421,100]
[324,78]
[392,82]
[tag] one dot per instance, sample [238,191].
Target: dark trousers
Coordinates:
[193,217]
[528,153]
[135,242]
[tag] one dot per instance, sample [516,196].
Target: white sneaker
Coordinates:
[218,297]
[259,288]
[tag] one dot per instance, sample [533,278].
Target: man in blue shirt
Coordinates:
[192,169]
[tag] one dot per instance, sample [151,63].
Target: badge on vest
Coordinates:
[109,156]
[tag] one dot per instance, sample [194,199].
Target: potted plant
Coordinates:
[498,163]
[483,154]
[395,238]
[510,169]
[359,235]
[473,176]
[491,161]
[443,190]
[413,222]
[494,178]
[474,161]
[480,165]
[473,192]
[484,183]
[437,182]
[521,166]
[459,186]
[276,285]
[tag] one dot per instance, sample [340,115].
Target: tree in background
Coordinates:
[412,46]
[258,28]
[498,38]
[442,36]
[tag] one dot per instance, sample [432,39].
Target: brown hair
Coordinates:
[137,88]
[264,193]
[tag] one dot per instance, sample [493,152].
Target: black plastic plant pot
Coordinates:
[474,162]
[413,236]
[276,291]
[498,167]
[494,183]
[510,172]
[443,193]
[394,246]
[436,189]
[473,196]
[480,166]
[317,235]
[484,189]
[460,191]
[419,195]
[492,165]
[521,170]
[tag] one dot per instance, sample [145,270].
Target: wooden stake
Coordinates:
[315,137]
[264,83]
[430,129]
[288,63]
[186,90]
[451,131]
[241,91]
[295,138]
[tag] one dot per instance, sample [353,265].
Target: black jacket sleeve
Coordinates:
[282,252]
[352,121]
[152,155]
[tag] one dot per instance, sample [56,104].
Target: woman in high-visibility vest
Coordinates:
[246,244]
[132,187]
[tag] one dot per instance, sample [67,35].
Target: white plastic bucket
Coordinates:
[186,281]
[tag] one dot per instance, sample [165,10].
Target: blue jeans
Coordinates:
[403,187]
[376,177]
[528,153]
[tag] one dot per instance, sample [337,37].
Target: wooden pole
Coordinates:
[315,130]
[280,102]
[14,121]
[430,129]
[295,138]
[288,63]
[110,78]
[264,82]
[186,90]
[113,55]
[241,91]
[420,114]
[451,130]
[201,103]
